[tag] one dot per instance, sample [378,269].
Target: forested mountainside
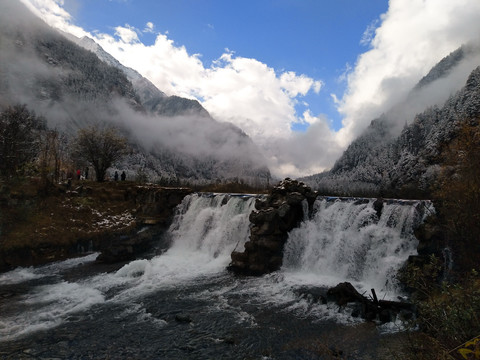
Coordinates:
[382,162]
[172,138]
[152,98]
[42,68]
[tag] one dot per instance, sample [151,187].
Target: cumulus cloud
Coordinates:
[241,90]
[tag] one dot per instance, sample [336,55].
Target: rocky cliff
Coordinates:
[37,228]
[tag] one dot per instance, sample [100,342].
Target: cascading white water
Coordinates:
[342,241]
[204,232]
[346,241]
[212,225]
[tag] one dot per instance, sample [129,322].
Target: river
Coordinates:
[182,303]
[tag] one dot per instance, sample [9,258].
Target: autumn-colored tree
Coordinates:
[100,147]
[458,195]
[52,156]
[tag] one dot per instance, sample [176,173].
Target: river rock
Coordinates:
[344,293]
[183,318]
[370,309]
[274,216]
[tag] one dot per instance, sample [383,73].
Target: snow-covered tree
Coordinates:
[100,147]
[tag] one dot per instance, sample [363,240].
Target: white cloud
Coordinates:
[308,152]
[169,67]
[402,46]
[149,27]
[240,90]
[369,33]
[412,37]
[127,34]
[53,13]
[250,94]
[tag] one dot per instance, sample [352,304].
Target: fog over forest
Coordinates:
[72,92]
[29,75]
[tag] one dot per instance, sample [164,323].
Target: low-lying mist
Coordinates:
[37,70]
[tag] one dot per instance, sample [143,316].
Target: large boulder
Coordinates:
[274,216]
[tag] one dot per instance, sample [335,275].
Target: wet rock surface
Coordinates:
[277,214]
[369,308]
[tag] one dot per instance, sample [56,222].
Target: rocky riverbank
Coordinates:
[39,225]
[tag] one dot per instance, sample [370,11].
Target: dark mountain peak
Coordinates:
[153,99]
[445,66]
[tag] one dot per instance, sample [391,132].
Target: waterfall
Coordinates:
[346,240]
[204,232]
[213,225]
[338,240]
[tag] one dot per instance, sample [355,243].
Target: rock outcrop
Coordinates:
[274,217]
[119,219]
[155,209]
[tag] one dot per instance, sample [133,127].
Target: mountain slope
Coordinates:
[389,161]
[151,97]
[171,138]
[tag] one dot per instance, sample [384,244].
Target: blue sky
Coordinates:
[312,37]
[303,78]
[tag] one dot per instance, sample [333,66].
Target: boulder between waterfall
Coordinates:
[277,214]
[344,293]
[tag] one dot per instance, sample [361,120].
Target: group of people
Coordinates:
[83,175]
[123,176]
